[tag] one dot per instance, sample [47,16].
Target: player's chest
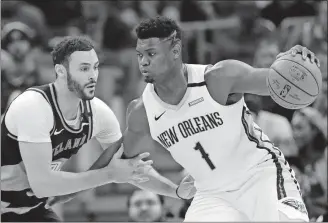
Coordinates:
[66,142]
[175,128]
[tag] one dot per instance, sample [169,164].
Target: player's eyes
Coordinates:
[151,54]
[84,68]
[139,55]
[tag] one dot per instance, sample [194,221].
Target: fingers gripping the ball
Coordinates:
[305,52]
[317,61]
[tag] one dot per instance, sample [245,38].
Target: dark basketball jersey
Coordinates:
[16,193]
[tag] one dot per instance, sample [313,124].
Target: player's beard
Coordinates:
[74,86]
[148,79]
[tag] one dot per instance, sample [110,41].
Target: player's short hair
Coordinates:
[62,51]
[161,198]
[158,27]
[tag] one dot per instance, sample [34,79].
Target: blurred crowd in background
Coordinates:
[250,31]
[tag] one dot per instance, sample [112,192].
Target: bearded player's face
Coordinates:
[82,74]
[155,58]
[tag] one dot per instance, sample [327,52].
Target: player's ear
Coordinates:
[177,50]
[60,70]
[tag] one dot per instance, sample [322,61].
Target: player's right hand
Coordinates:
[133,170]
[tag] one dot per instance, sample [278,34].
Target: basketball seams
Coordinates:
[283,99]
[307,70]
[291,82]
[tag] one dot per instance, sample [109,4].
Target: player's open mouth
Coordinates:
[145,72]
[92,86]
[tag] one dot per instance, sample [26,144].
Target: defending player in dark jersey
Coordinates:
[46,125]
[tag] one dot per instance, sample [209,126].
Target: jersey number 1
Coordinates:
[204,155]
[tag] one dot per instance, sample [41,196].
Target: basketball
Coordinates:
[294,83]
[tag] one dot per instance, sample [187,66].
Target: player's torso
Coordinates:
[209,140]
[17,195]
[65,139]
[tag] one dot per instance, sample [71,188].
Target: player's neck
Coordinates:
[173,88]
[67,101]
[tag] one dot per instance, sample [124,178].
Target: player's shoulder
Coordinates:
[98,104]
[29,99]
[220,78]
[101,109]
[136,114]
[227,69]
[29,105]
[136,106]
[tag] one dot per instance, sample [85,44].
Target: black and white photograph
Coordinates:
[164,111]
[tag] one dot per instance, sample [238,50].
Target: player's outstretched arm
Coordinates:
[46,182]
[240,77]
[127,170]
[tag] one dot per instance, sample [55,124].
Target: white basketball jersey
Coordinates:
[216,144]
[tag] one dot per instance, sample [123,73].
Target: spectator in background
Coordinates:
[145,206]
[266,52]
[310,164]
[321,102]
[224,8]
[191,11]
[278,10]
[117,35]
[313,33]
[18,68]
[129,13]
[21,11]
[299,8]
[94,15]
[148,9]
[275,11]
[118,45]
[58,14]
[171,10]
[240,42]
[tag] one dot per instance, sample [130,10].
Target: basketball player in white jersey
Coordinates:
[198,114]
[46,125]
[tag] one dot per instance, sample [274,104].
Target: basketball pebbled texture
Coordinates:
[293,82]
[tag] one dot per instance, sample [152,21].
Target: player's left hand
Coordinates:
[306,53]
[186,189]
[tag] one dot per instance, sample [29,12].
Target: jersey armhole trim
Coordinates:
[12,136]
